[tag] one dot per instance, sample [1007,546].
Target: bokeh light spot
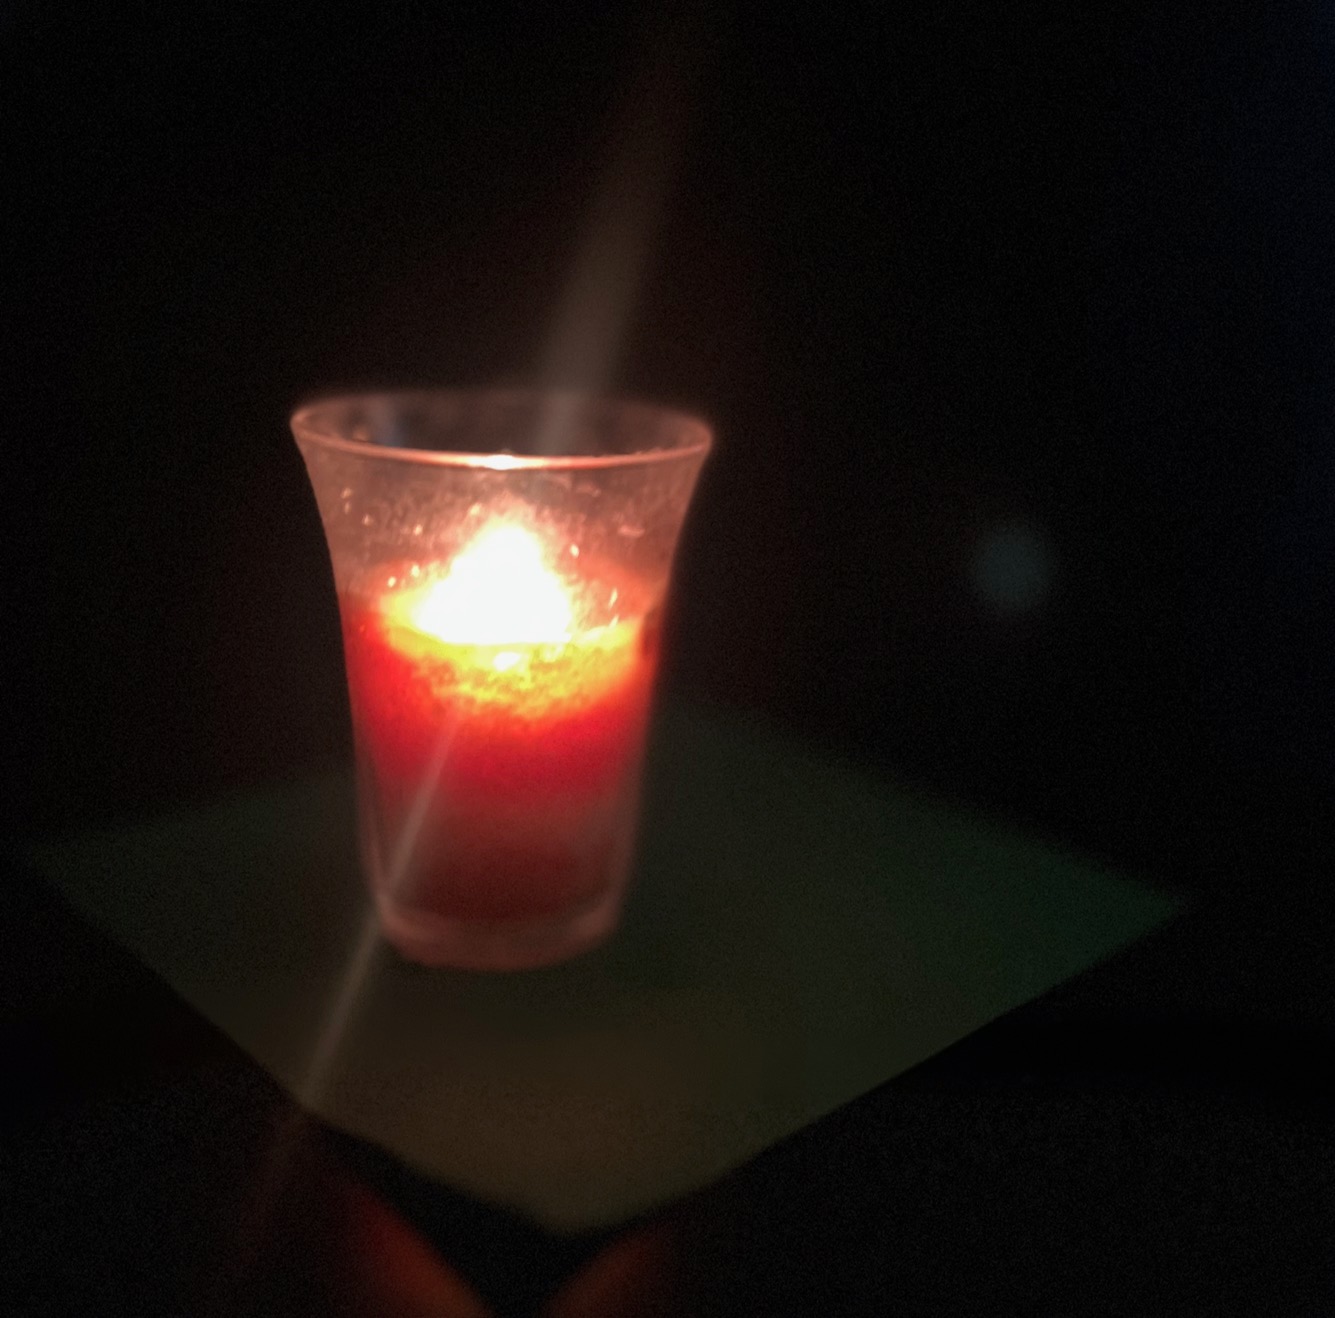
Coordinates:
[1012,568]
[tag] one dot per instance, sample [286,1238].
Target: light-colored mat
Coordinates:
[797,934]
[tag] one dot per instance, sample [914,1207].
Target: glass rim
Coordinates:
[697,435]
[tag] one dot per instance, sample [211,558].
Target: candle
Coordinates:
[501,559]
[500,709]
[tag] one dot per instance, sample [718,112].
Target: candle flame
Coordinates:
[498,591]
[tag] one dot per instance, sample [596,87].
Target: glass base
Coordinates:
[431,940]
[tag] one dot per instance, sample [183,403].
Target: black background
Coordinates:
[931,272]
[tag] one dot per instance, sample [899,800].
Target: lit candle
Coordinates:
[501,558]
[500,707]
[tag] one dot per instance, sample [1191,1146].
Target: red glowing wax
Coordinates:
[499,773]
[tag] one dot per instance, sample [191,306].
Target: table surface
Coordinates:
[1154,1135]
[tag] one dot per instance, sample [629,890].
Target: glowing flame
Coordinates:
[498,591]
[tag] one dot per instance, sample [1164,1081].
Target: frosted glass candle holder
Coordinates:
[501,561]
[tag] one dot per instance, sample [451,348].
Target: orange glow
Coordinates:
[388,1267]
[498,591]
[500,627]
[503,723]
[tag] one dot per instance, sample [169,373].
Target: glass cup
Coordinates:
[501,561]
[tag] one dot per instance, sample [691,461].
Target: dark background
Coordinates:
[1016,323]
[934,273]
